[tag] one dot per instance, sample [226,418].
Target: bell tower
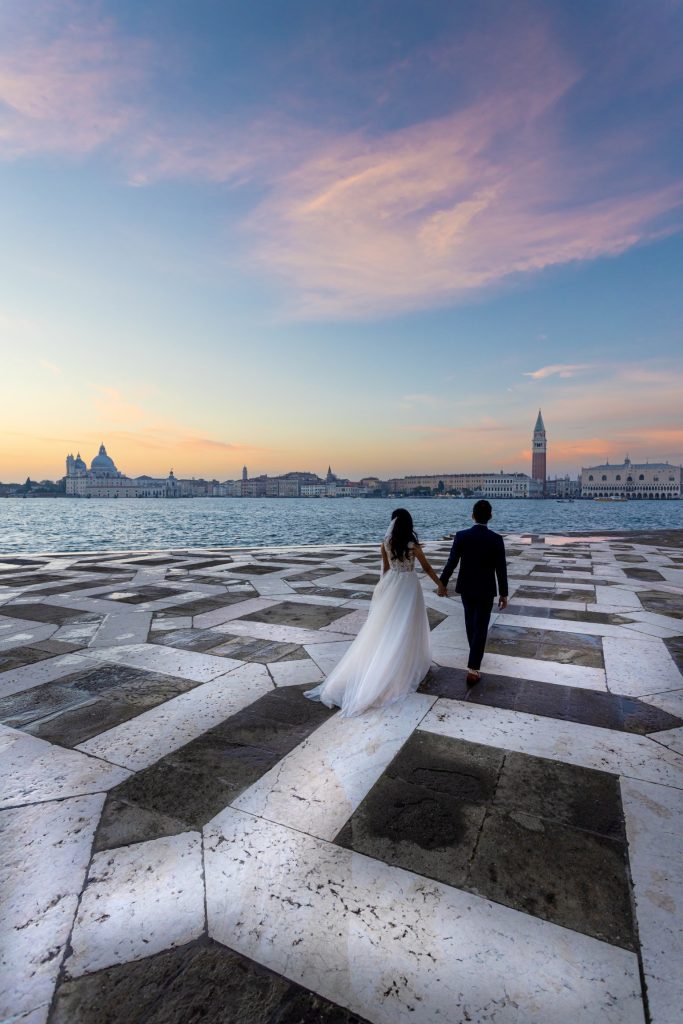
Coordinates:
[538,452]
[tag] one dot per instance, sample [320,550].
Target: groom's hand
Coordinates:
[442,590]
[502,603]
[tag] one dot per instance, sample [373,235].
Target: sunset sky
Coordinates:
[379,235]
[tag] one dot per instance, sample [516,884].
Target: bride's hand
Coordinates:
[441,590]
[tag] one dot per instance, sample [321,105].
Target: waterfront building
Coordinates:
[483,485]
[633,480]
[512,485]
[104,480]
[538,453]
[563,487]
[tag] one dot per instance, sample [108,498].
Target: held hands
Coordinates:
[502,603]
[441,590]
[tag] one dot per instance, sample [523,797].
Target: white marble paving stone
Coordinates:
[122,629]
[216,617]
[36,1016]
[664,999]
[650,629]
[139,900]
[671,738]
[636,667]
[272,586]
[172,661]
[25,677]
[143,740]
[395,947]
[177,622]
[326,656]
[317,787]
[672,701]
[280,634]
[33,771]
[654,820]
[617,597]
[572,742]
[295,673]
[45,854]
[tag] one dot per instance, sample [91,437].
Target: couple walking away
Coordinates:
[391,654]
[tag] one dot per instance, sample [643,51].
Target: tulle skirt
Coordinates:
[391,654]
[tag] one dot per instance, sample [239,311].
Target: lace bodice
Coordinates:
[406,564]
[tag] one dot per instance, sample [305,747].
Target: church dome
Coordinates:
[102,463]
[79,463]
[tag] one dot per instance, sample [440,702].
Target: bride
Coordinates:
[391,654]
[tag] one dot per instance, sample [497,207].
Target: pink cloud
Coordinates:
[67,79]
[559,370]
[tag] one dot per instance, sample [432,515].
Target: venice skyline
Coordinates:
[375,236]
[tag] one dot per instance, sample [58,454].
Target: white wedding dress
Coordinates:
[391,655]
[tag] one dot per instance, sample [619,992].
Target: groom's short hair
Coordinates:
[482,511]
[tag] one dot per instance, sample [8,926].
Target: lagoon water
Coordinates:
[52,524]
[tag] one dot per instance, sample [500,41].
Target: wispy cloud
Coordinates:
[51,367]
[377,220]
[558,370]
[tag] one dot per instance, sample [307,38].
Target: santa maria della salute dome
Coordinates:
[104,480]
[103,464]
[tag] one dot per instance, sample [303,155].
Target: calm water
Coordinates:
[47,524]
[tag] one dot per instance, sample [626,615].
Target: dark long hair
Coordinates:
[402,533]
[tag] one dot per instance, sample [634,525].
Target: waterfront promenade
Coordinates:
[186,838]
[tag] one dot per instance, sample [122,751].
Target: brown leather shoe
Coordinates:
[473,677]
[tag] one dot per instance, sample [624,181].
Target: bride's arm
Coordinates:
[420,555]
[385,560]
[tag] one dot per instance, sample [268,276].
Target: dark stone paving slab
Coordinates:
[75,708]
[552,700]
[540,836]
[257,569]
[648,575]
[662,602]
[368,578]
[8,580]
[565,648]
[53,613]
[674,646]
[566,614]
[311,574]
[201,983]
[188,639]
[205,604]
[19,656]
[263,652]
[194,783]
[293,613]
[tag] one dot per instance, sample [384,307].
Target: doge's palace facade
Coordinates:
[655,480]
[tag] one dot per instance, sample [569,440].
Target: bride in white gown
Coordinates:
[392,653]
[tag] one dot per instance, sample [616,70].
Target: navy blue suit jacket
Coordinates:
[481,554]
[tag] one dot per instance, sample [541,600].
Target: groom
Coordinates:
[481,554]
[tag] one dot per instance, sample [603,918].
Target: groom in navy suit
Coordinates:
[481,554]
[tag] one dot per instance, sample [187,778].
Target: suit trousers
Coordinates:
[477,618]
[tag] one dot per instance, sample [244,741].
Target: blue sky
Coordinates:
[377,234]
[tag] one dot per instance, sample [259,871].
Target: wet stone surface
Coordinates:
[564,648]
[535,835]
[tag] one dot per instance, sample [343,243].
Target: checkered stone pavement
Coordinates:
[185,837]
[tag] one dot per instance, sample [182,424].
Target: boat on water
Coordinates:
[612,497]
